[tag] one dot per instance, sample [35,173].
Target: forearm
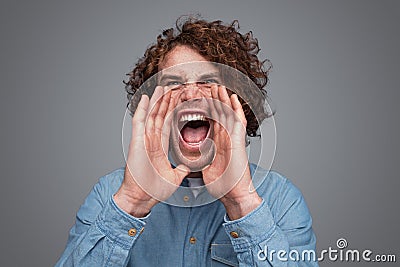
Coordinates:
[132,202]
[240,207]
[257,240]
[104,242]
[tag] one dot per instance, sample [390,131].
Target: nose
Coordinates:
[190,91]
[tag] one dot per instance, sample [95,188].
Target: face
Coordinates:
[191,76]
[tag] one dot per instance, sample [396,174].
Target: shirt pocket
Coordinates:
[223,255]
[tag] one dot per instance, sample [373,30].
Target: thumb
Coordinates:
[181,171]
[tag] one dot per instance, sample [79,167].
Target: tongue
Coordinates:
[194,135]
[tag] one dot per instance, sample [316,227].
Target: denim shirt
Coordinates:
[190,234]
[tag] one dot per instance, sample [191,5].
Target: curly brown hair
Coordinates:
[217,42]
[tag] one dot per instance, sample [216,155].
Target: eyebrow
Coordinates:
[210,75]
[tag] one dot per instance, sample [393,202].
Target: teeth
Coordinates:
[192,117]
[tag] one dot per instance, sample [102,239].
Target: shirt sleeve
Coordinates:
[281,238]
[103,234]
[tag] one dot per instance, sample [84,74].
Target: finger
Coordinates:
[141,109]
[220,115]
[137,134]
[167,124]
[140,116]
[216,100]
[214,114]
[153,109]
[181,172]
[223,96]
[158,93]
[162,111]
[220,136]
[161,127]
[227,108]
[238,109]
[172,102]
[239,126]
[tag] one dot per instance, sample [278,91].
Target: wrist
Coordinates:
[240,207]
[131,204]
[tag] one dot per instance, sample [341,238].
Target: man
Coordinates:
[188,196]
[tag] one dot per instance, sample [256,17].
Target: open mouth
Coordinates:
[194,128]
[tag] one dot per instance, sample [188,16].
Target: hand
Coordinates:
[228,176]
[149,177]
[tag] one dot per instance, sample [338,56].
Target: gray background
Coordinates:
[335,85]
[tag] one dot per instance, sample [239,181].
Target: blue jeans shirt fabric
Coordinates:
[191,234]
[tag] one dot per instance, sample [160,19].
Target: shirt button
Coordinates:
[132,232]
[186,198]
[192,240]
[234,234]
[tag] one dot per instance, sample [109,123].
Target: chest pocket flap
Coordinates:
[223,253]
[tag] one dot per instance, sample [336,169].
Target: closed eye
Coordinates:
[210,81]
[172,83]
